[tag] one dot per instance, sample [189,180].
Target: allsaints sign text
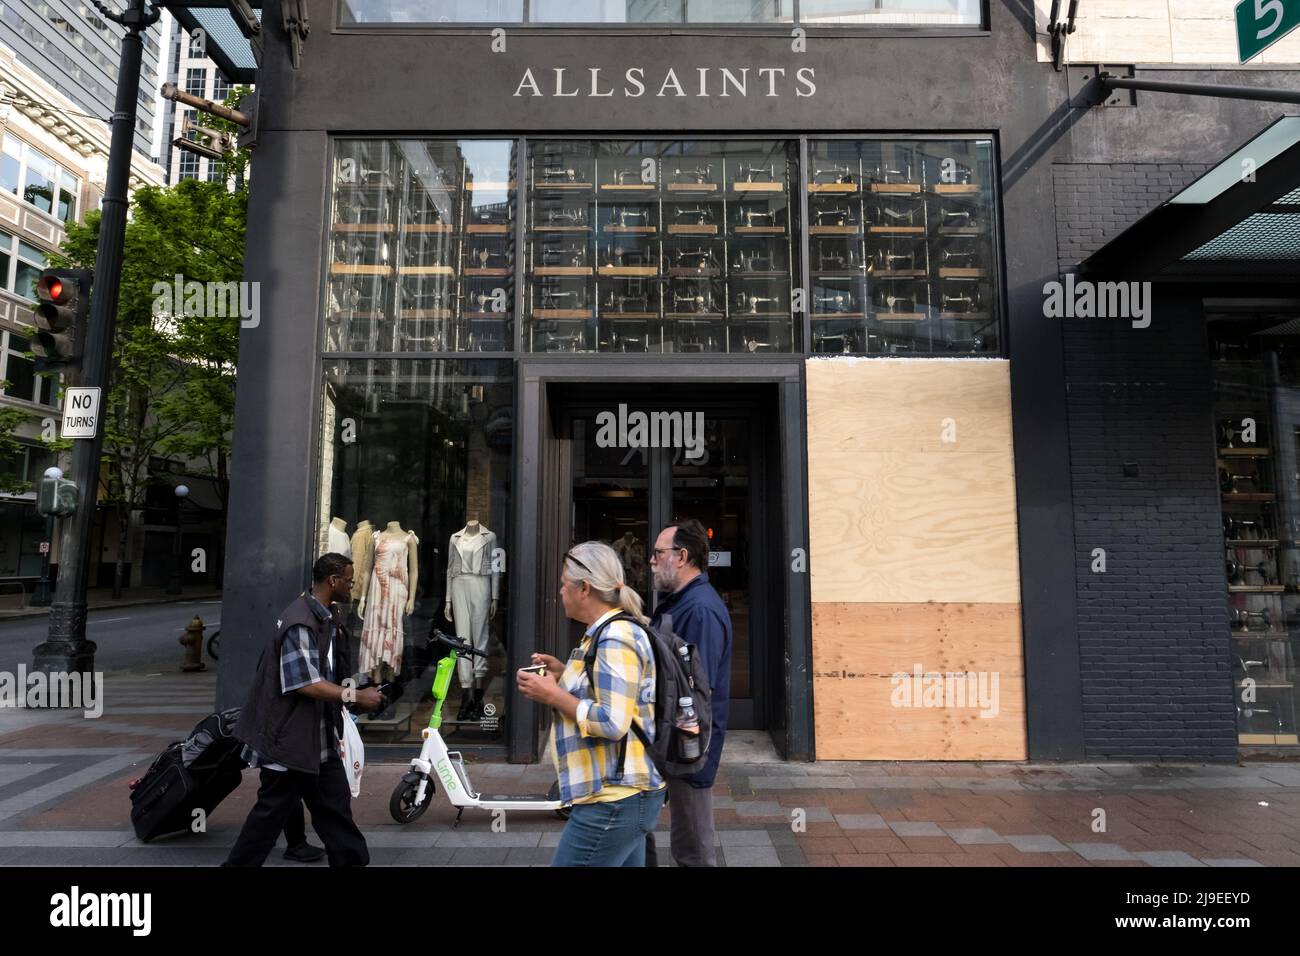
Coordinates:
[704,81]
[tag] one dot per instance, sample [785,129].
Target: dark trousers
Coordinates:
[691,810]
[295,826]
[329,799]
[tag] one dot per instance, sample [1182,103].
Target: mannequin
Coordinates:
[631,552]
[362,556]
[472,591]
[390,595]
[336,538]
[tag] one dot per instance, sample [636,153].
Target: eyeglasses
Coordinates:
[654,555]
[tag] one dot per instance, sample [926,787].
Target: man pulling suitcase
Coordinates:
[291,725]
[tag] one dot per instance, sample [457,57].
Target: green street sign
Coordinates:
[1261,23]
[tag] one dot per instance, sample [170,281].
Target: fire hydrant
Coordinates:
[192,641]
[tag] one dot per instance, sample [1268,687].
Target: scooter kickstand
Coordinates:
[459,811]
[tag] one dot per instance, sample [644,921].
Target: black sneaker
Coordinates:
[304,853]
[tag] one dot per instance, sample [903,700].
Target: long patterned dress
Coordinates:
[381,638]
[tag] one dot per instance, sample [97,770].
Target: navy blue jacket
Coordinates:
[700,618]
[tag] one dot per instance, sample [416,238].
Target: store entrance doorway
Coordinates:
[708,459]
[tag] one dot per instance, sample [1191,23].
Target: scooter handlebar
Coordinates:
[457,645]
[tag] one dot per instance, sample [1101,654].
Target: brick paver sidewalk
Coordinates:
[64,801]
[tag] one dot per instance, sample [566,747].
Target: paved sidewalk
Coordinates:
[98,598]
[64,801]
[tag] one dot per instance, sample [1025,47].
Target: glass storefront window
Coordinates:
[415,483]
[661,246]
[932,13]
[902,244]
[422,247]
[1256,370]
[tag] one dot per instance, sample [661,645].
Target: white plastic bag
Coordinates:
[353,752]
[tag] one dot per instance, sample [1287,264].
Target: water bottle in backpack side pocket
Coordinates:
[688,724]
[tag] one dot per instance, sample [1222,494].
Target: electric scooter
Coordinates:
[415,791]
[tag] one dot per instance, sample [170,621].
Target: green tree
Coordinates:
[173,370]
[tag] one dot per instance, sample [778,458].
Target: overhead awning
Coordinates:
[226,44]
[1241,219]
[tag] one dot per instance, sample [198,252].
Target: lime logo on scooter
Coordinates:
[448,778]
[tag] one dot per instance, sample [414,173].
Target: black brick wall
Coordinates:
[1152,630]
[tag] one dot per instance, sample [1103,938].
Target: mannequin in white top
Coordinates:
[473,587]
[336,538]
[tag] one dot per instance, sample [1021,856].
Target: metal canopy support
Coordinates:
[1110,82]
[1172,231]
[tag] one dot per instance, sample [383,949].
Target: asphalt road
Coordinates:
[143,637]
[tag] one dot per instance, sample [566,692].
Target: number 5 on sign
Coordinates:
[1261,23]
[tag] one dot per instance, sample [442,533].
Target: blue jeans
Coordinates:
[610,834]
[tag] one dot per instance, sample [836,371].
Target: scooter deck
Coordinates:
[538,798]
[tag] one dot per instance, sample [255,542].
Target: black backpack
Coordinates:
[674,679]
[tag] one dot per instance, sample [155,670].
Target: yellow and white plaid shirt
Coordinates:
[587,750]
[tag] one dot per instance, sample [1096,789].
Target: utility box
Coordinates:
[57,496]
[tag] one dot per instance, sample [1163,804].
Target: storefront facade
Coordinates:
[819,257]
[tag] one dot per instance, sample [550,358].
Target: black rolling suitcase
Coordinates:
[196,773]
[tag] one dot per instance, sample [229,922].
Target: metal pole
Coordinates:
[41,597]
[66,648]
[1262,94]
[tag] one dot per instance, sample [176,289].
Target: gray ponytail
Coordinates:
[604,572]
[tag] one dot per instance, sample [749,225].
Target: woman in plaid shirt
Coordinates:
[604,770]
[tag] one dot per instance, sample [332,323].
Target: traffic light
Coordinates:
[60,314]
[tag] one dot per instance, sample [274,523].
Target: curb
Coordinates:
[42,611]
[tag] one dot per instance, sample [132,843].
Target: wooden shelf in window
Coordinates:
[692,187]
[343,269]
[369,316]
[899,273]
[758,187]
[962,273]
[486,316]
[427,271]
[1265,740]
[562,271]
[832,316]
[957,189]
[1245,453]
[489,273]
[1256,589]
[898,316]
[637,316]
[628,187]
[961,230]
[1264,496]
[849,230]
[427,314]
[702,316]
[561,228]
[897,230]
[488,186]
[562,314]
[696,229]
[628,271]
[611,229]
[371,228]
[431,227]
[759,230]
[840,188]
[488,228]
[896,189]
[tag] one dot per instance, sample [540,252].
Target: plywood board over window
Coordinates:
[914,561]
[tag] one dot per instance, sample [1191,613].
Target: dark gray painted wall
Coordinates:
[435,84]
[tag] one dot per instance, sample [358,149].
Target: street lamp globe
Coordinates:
[53,472]
[182,491]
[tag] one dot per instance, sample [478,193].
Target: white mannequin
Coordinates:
[473,587]
[337,538]
[394,577]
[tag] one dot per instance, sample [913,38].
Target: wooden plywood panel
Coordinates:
[902,404]
[863,711]
[903,528]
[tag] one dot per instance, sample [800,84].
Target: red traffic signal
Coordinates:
[63,304]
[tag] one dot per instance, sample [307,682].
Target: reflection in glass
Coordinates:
[418,451]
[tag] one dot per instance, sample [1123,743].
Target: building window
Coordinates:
[220,87]
[391,500]
[38,180]
[20,266]
[931,13]
[20,372]
[189,165]
[216,171]
[196,81]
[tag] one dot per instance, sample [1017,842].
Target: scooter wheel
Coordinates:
[554,794]
[402,806]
